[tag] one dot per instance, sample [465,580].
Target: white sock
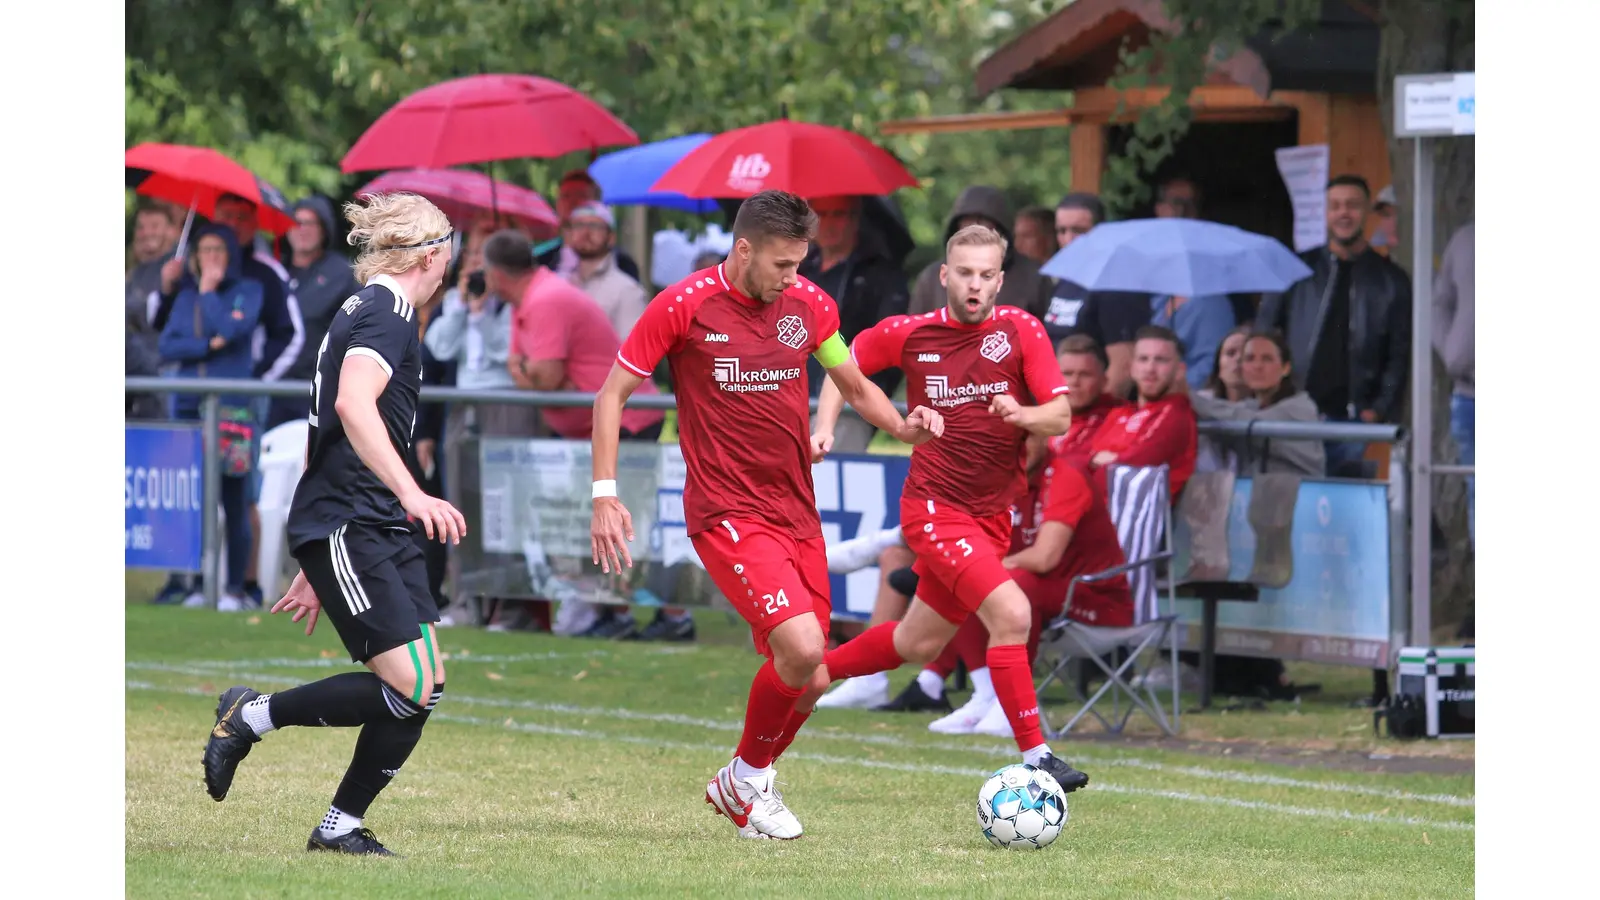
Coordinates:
[743,770]
[258,716]
[875,680]
[1032,756]
[982,686]
[931,683]
[337,822]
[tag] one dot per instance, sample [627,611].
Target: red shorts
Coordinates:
[767,574]
[958,555]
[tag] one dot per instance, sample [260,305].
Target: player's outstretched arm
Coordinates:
[361,380]
[1049,419]
[921,426]
[611,527]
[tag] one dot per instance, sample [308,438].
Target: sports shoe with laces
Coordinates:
[1065,775]
[229,742]
[361,842]
[754,805]
[861,692]
[963,720]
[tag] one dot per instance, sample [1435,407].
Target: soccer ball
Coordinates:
[1021,808]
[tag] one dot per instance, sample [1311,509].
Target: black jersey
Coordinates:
[337,487]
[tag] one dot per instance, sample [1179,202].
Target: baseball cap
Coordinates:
[593,210]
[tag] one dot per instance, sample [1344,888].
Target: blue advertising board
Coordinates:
[162,493]
[1335,607]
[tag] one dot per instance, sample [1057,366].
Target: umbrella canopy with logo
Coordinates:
[799,157]
[484,118]
[1179,257]
[463,195]
[196,177]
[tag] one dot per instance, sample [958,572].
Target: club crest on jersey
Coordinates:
[792,332]
[995,347]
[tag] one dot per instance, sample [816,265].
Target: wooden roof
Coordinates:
[1077,47]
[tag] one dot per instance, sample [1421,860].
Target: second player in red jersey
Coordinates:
[993,374]
[737,337]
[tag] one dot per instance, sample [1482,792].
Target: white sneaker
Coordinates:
[995,722]
[862,692]
[858,553]
[965,718]
[1159,678]
[195,600]
[574,617]
[231,603]
[753,805]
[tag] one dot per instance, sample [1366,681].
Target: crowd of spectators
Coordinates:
[517,315]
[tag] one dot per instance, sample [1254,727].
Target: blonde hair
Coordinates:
[389,229]
[976,236]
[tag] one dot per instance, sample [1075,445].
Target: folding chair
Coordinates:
[1141,509]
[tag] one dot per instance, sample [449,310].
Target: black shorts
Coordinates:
[373,584]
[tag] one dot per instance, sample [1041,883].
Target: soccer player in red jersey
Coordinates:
[992,372]
[1084,366]
[737,337]
[1161,428]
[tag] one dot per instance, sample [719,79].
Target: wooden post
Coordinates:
[1088,150]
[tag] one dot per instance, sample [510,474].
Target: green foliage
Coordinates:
[286,86]
[1208,31]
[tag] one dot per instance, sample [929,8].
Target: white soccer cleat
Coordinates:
[862,692]
[995,722]
[965,718]
[860,552]
[753,805]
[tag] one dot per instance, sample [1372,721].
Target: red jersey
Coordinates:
[1075,443]
[956,369]
[744,407]
[1064,494]
[1162,432]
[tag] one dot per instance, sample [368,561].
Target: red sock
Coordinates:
[771,701]
[946,661]
[1013,685]
[872,651]
[796,720]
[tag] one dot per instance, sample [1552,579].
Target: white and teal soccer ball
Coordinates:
[1021,808]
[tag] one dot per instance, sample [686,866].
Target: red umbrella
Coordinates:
[483,118]
[463,195]
[800,157]
[197,176]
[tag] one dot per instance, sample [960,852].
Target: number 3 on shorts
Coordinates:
[773,602]
[966,547]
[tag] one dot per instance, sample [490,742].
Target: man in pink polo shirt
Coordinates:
[561,340]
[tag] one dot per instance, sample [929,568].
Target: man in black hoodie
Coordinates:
[854,265]
[321,281]
[1024,287]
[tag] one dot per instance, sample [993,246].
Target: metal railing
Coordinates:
[211,389]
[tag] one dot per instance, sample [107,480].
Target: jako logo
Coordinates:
[927,357]
[940,393]
[731,376]
[747,172]
[713,338]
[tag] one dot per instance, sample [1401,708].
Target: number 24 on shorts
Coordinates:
[775,601]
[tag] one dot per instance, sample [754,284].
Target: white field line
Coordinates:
[974,772]
[984,748]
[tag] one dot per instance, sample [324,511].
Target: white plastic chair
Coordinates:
[283,460]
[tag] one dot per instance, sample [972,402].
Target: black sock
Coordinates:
[382,748]
[340,701]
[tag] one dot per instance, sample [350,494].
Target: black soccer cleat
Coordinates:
[662,628]
[1065,775]
[361,842]
[915,699]
[229,742]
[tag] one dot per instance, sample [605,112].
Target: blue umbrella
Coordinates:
[625,177]
[1181,257]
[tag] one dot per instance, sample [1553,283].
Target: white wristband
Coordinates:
[605,488]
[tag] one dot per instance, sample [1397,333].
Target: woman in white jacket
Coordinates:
[1271,396]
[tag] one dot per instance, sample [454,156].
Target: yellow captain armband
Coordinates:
[832,352]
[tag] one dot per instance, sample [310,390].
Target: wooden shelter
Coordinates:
[1317,85]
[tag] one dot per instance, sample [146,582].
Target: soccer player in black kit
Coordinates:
[350,530]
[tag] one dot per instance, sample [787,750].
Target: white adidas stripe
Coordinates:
[355,597]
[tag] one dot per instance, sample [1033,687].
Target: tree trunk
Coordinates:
[1419,37]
